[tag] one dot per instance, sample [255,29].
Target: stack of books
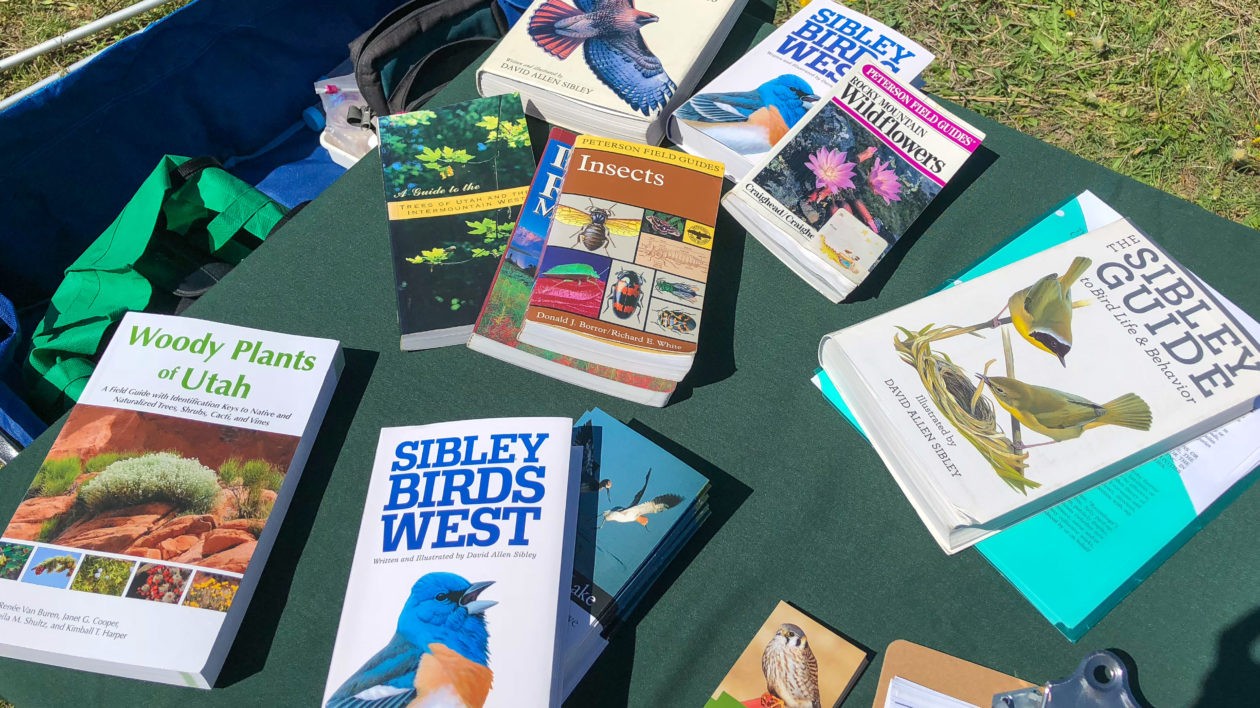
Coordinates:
[739,116]
[603,281]
[503,552]
[639,506]
[607,66]
[1117,533]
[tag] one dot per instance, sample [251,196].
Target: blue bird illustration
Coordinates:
[750,122]
[609,33]
[437,657]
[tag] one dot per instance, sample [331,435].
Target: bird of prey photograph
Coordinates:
[609,32]
[791,669]
[637,511]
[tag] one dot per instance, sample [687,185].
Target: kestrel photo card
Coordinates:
[792,662]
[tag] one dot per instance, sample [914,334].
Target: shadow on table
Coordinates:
[1235,679]
[971,170]
[608,681]
[715,352]
[258,628]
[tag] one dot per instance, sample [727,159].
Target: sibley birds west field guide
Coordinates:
[737,117]
[610,67]
[144,533]
[1004,395]
[461,569]
[855,173]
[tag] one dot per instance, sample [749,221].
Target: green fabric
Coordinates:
[167,230]
[803,509]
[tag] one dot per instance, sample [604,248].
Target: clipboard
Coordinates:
[942,672]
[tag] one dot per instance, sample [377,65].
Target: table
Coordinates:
[803,509]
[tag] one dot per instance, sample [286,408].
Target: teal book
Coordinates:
[1079,559]
[455,178]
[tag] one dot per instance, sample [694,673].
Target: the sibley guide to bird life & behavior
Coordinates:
[739,116]
[459,587]
[1004,395]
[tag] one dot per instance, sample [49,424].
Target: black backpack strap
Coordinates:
[431,74]
[412,32]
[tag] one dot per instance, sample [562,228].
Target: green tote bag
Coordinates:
[186,226]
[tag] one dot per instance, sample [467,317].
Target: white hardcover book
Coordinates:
[462,568]
[153,514]
[833,196]
[1002,396]
[615,68]
[736,118]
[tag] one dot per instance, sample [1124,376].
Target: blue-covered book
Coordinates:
[1104,542]
[638,506]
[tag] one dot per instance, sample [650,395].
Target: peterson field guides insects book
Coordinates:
[144,533]
[499,324]
[461,569]
[624,272]
[455,178]
[612,67]
[1004,395]
[736,118]
[834,195]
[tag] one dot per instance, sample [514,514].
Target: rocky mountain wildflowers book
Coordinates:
[833,196]
[461,568]
[737,117]
[154,511]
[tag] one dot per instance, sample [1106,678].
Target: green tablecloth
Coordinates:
[803,509]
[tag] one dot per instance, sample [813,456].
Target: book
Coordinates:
[461,569]
[639,506]
[499,324]
[1117,534]
[1083,388]
[624,270]
[737,117]
[153,513]
[792,660]
[612,67]
[455,177]
[851,178]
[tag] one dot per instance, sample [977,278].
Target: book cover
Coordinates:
[637,502]
[853,175]
[1118,533]
[792,660]
[461,567]
[154,511]
[621,56]
[455,178]
[736,118]
[499,323]
[626,260]
[1007,421]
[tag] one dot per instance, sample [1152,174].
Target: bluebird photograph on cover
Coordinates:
[642,491]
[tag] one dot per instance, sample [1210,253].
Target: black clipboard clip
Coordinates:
[1100,681]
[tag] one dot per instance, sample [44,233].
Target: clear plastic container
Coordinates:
[345,142]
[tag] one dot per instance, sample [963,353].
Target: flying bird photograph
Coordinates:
[638,510]
[610,35]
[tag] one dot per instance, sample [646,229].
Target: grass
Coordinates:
[1165,91]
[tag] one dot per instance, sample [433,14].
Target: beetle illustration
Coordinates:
[661,226]
[676,321]
[682,291]
[626,294]
[596,225]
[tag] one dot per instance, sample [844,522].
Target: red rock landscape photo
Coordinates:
[155,487]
